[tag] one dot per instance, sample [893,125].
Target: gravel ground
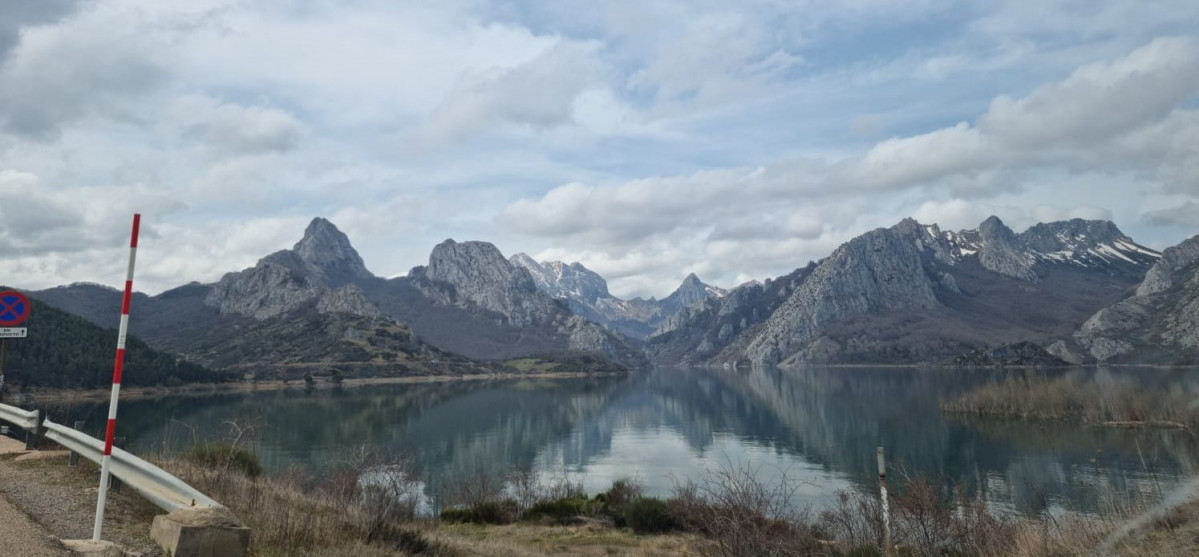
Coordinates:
[20,536]
[60,501]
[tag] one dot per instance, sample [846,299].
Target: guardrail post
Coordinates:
[114,483]
[73,461]
[31,437]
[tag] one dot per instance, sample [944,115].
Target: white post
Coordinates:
[882,484]
[118,365]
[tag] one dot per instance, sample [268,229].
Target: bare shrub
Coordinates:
[743,515]
[854,520]
[920,522]
[527,489]
[287,519]
[1110,401]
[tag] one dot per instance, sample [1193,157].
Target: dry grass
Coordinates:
[368,508]
[288,519]
[520,540]
[1106,401]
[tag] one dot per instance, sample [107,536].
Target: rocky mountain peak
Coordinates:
[1000,252]
[570,281]
[475,263]
[1162,275]
[993,229]
[1047,237]
[691,292]
[327,249]
[481,275]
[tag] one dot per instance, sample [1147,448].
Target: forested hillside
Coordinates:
[64,350]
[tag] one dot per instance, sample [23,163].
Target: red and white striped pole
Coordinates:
[116,381]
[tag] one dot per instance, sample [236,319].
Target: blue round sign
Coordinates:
[14,308]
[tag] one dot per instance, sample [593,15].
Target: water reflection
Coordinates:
[819,426]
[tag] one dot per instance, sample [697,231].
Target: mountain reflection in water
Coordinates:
[819,426]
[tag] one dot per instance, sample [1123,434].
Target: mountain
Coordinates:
[321,262]
[1158,323]
[474,277]
[65,350]
[586,293]
[912,293]
[317,305]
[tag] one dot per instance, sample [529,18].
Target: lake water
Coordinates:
[819,426]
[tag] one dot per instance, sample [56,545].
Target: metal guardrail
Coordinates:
[155,484]
[27,419]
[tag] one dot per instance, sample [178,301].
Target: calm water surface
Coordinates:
[819,426]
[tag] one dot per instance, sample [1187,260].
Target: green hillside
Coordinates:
[64,350]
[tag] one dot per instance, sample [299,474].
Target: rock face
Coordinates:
[586,293]
[1159,323]
[565,281]
[879,271]
[349,299]
[691,292]
[1001,252]
[1164,275]
[317,302]
[475,275]
[329,256]
[285,280]
[915,293]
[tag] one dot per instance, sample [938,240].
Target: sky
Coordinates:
[645,139]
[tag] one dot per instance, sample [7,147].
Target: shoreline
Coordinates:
[243,386]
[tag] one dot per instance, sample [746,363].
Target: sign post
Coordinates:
[106,463]
[14,310]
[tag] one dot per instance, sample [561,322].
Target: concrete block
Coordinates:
[94,549]
[212,532]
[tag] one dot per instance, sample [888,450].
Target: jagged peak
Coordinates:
[327,248]
[994,228]
[470,257]
[472,245]
[523,258]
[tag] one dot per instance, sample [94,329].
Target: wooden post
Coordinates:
[882,485]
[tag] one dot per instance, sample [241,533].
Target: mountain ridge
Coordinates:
[901,294]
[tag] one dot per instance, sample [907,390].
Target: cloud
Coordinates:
[232,129]
[15,16]
[1011,137]
[1185,215]
[717,58]
[96,63]
[650,139]
[540,94]
[37,218]
[1084,123]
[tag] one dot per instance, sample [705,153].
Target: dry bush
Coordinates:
[527,489]
[920,522]
[371,512]
[855,520]
[1072,397]
[743,515]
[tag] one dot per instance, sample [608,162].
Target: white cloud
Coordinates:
[733,140]
[231,129]
[540,93]
[1067,125]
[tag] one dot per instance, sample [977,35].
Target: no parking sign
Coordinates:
[14,310]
